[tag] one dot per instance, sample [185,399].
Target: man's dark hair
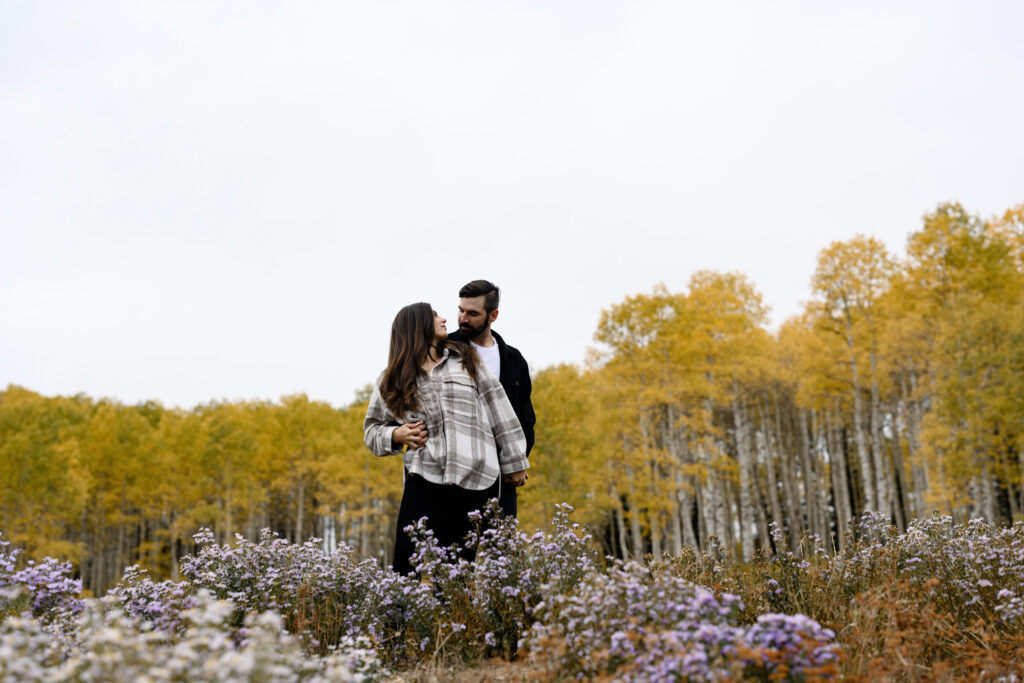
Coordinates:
[488,290]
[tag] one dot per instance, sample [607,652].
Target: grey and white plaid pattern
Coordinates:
[473,433]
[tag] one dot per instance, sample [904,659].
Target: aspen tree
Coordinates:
[849,280]
[43,485]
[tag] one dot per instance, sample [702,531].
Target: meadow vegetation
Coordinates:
[941,601]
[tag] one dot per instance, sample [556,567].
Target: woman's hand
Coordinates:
[515,478]
[413,435]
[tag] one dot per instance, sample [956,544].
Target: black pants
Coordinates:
[446,508]
[509,500]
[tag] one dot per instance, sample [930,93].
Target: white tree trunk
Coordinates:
[746,503]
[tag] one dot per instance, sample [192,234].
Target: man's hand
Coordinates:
[413,435]
[515,478]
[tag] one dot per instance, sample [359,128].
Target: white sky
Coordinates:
[231,200]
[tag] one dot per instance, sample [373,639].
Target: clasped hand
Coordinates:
[515,478]
[412,434]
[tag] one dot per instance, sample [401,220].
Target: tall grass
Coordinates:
[942,601]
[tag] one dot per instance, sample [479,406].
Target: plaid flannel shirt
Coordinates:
[473,434]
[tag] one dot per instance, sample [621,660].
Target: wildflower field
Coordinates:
[942,601]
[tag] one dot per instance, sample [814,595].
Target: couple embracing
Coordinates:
[459,405]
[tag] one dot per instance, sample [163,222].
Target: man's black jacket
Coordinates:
[515,378]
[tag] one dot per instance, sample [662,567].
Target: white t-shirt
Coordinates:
[489,355]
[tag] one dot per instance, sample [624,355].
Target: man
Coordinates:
[478,308]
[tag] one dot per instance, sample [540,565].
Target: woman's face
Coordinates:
[440,328]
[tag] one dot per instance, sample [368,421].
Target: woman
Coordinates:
[437,399]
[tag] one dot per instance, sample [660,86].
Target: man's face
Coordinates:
[473,317]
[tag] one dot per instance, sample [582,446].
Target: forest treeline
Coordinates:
[899,389]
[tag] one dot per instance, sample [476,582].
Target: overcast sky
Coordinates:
[227,200]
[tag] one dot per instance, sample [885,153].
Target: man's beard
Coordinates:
[474,332]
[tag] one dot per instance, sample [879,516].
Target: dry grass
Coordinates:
[497,670]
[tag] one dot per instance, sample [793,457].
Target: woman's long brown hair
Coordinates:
[412,336]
